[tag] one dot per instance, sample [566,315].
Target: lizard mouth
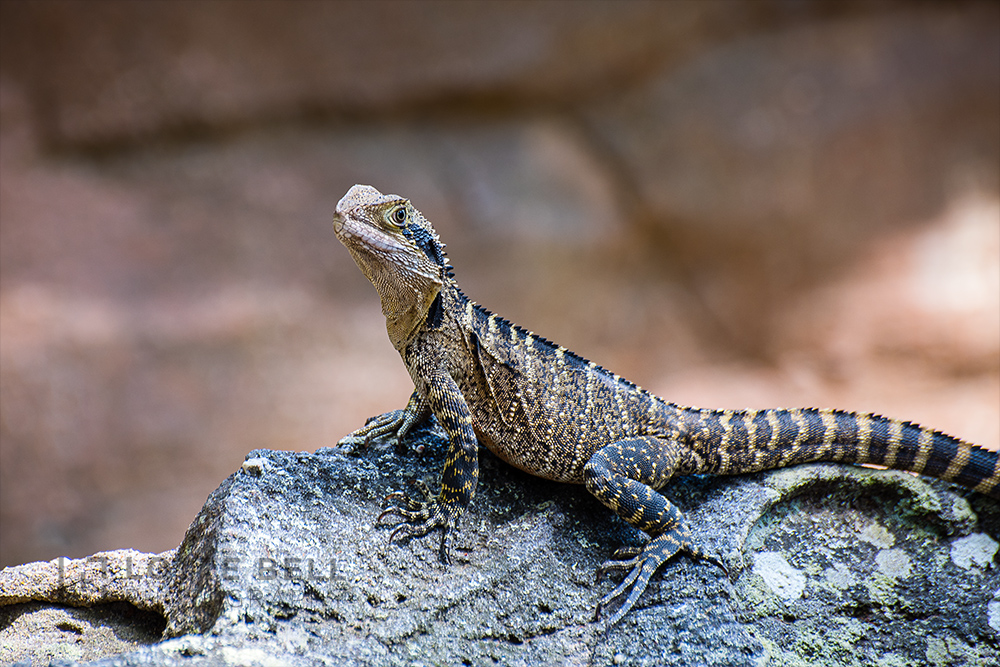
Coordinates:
[352,232]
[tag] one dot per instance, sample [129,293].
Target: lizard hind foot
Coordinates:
[641,564]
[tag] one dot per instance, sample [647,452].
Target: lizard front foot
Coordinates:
[376,428]
[419,517]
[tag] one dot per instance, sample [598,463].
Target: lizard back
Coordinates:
[546,410]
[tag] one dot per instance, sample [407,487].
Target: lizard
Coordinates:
[554,414]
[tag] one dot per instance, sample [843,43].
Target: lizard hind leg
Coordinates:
[623,476]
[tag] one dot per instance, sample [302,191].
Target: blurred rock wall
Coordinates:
[734,204]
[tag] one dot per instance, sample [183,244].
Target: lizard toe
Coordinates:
[405,515]
[405,530]
[634,584]
[616,566]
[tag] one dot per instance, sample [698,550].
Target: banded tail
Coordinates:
[743,441]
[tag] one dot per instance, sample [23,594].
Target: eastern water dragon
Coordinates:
[556,415]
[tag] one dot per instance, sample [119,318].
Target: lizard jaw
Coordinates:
[353,232]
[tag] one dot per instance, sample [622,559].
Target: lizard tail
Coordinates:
[749,441]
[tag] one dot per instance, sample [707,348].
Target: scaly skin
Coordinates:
[553,414]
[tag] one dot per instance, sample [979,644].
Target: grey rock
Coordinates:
[43,632]
[125,575]
[284,566]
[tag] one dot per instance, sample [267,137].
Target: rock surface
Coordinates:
[283,565]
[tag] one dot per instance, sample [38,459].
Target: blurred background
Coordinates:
[734,204]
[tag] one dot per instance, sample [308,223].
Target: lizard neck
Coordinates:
[406,295]
[406,308]
[404,323]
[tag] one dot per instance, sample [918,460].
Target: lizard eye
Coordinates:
[398,216]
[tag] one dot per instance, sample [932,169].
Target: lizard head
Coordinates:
[398,251]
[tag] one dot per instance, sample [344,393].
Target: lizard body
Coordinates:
[556,415]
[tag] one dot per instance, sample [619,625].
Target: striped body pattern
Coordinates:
[552,427]
[556,415]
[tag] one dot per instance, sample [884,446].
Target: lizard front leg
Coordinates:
[458,478]
[623,476]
